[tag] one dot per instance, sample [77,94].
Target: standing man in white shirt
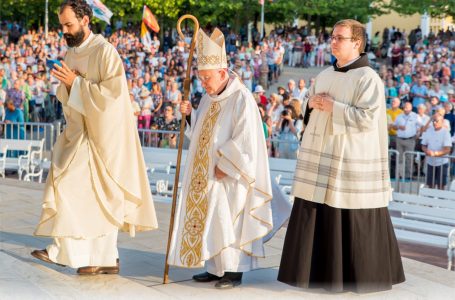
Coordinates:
[436,143]
[406,125]
[292,90]
[302,90]
[39,95]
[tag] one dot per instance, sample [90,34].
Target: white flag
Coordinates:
[100,10]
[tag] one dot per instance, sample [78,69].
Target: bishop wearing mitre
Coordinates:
[224,209]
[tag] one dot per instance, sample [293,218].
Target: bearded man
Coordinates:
[97,183]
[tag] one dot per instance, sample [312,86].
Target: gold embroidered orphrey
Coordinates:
[197,200]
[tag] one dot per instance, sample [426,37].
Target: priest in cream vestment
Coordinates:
[97,183]
[224,208]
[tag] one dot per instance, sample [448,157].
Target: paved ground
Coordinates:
[296,74]
[142,263]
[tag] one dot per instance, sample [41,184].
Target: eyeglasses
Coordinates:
[436,121]
[204,78]
[337,38]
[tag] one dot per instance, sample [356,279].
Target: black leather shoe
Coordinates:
[205,277]
[229,280]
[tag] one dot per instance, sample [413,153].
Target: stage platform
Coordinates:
[142,263]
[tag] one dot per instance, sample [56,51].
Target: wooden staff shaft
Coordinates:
[186,92]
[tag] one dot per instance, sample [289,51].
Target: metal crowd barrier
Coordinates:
[29,131]
[160,138]
[394,157]
[408,171]
[415,173]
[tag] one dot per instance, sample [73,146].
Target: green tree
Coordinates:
[435,8]
[326,12]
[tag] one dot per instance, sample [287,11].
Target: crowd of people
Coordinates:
[415,68]
[419,79]
[155,75]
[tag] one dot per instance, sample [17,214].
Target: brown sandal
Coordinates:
[90,270]
[44,256]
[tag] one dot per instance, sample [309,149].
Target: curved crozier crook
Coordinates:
[181,19]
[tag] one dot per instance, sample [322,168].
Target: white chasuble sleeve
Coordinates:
[75,98]
[62,93]
[362,113]
[244,158]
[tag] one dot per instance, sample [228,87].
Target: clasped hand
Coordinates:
[64,74]
[322,102]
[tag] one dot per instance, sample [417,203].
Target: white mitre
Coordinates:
[211,51]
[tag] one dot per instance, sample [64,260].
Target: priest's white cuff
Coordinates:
[75,97]
[228,168]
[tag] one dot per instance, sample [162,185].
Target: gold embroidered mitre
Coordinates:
[211,51]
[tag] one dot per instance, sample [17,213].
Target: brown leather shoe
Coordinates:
[44,256]
[91,270]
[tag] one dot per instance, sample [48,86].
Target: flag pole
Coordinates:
[262,19]
[186,91]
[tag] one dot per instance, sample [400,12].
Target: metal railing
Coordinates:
[160,138]
[394,157]
[416,171]
[408,172]
[29,131]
